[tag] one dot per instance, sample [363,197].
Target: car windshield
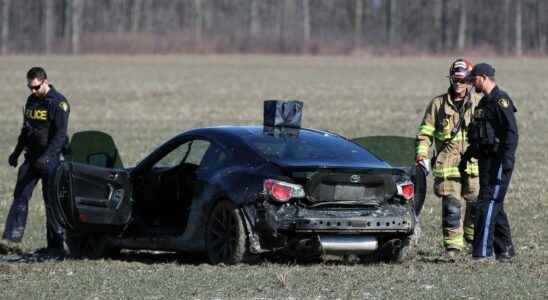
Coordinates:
[304,145]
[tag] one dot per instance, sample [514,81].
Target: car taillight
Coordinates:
[406,189]
[282,191]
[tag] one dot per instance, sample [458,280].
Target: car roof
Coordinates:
[251,130]
[241,135]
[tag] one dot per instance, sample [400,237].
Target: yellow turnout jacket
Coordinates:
[440,118]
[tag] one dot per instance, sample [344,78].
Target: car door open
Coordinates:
[92,190]
[399,151]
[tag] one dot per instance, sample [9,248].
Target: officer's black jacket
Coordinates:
[498,110]
[45,121]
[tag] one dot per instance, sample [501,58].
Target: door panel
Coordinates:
[399,151]
[100,196]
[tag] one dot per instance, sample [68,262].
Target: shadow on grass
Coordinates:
[192,258]
[155,257]
[10,254]
[432,258]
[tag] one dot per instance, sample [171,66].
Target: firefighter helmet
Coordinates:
[459,70]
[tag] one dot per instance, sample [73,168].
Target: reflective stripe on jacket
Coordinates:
[440,118]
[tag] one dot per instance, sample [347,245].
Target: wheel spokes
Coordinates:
[223,234]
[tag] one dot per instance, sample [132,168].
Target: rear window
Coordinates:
[305,145]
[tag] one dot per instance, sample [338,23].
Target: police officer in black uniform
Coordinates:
[493,137]
[43,138]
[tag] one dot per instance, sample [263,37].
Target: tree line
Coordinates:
[505,27]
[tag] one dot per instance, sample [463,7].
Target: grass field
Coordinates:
[142,100]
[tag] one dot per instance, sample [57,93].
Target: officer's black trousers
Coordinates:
[492,229]
[27,178]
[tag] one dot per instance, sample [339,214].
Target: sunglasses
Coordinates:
[461,80]
[35,87]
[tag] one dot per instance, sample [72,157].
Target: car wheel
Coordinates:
[392,251]
[396,250]
[226,240]
[89,245]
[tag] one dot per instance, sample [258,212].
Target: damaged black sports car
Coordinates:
[236,192]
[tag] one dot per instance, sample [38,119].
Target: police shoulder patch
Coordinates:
[63,105]
[503,102]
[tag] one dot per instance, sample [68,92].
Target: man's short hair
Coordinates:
[37,73]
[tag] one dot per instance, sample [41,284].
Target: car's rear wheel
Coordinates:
[396,250]
[226,240]
[89,245]
[392,251]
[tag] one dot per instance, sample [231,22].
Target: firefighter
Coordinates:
[43,137]
[443,128]
[493,140]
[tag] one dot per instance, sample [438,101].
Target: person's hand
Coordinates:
[12,160]
[419,158]
[41,163]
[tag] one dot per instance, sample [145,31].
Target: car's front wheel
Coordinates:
[226,240]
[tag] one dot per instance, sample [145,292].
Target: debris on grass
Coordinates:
[282,279]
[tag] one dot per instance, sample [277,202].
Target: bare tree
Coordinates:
[5,26]
[519,41]
[136,15]
[118,15]
[444,28]
[388,23]
[539,38]
[507,28]
[67,25]
[391,8]
[254,24]
[289,12]
[49,25]
[198,21]
[149,12]
[358,19]
[306,25]
[462,26]
[76,21]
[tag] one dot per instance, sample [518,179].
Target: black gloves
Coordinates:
[12,160]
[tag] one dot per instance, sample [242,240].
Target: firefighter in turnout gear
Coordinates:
[444,128]
[493,141]
[43,137]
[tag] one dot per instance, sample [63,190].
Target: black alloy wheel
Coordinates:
[226,240]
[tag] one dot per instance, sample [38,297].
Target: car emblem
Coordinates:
[355,178]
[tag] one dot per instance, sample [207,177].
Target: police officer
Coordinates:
[493,140]
[42,138]
[443,126]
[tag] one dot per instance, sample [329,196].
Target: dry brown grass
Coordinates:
[142,100]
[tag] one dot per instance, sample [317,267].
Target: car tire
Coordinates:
[226,239]
[396,250]
[392,251]
[89,245]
